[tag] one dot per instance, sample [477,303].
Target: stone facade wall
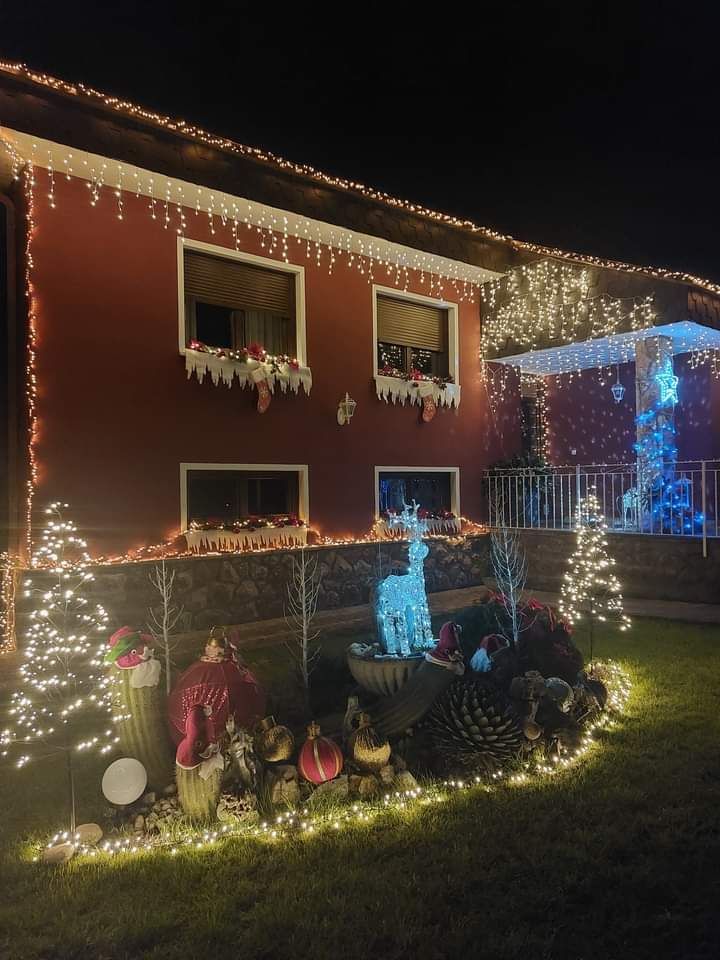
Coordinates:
[245,588]
[652,568]
[242,588]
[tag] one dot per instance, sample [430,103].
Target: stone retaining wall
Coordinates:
[245,587]
[648,567]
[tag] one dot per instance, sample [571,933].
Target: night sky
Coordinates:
[592,126]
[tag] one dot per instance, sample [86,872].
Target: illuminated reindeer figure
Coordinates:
[401,607]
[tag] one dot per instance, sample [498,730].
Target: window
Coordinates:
[412,334]
[222,493]
[235,303]
[435,489]
[230,495]
[532,421]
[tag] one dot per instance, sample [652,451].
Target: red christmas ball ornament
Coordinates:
[320,758]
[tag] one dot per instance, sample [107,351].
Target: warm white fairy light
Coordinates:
[549,302]
[320,243]
[90,95]
[302,822]
[8,572]
[63,686]
[591,590]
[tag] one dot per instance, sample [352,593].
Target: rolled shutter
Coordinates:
[238,285]
[411,324]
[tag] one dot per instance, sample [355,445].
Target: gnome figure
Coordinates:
[447,653]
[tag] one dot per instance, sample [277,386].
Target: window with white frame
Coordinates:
[436,490]
[233,300]
[227,496]
[414,333]
[238,505]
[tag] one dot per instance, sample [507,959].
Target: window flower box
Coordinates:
[441,522]
[249,366]
[248,534]
[397,386]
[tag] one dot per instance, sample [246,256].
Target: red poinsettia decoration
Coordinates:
[256,351]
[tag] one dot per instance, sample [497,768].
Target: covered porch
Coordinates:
[617,379]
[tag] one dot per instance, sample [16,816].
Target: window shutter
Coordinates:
[238,285]
[411,324]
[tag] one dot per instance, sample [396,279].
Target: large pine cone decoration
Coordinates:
[473,725]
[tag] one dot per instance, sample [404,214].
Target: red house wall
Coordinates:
[116,414]
[585,425]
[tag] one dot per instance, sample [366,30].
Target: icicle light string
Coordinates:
[129,109]
[273,231]
[302,822]
[550,301]
[545,296]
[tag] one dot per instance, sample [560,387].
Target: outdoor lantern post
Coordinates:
[346,409]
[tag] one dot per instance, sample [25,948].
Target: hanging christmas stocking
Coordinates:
[260,380]
[264,396]
[429,407]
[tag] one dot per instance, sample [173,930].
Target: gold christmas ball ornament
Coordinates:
[273,742]
[369,750]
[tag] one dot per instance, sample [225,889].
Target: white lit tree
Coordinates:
[64,702]
[302,600]
[591,590]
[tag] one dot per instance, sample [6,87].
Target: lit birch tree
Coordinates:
[64,702]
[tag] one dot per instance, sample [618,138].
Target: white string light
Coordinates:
[62,672]
[303,822]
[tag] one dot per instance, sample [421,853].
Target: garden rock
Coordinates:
[233,807]
[387,774]
[369,786]
[284,787]
[405,781]
[337,789]
[89,833]
[58,853]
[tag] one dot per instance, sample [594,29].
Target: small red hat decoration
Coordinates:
[196,739]
[126,648]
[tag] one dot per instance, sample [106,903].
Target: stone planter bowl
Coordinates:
[383,676]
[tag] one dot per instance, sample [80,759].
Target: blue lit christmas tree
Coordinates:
[665,499]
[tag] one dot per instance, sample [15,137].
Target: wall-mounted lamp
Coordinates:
[346,409]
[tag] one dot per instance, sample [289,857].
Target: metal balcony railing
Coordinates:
[684,501]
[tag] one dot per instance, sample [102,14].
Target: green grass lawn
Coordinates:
[616,858]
